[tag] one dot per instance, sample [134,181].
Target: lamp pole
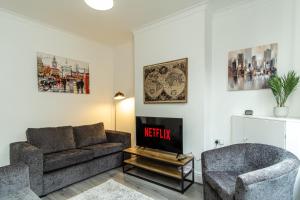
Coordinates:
[115,115]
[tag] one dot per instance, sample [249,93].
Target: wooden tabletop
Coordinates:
[159,155]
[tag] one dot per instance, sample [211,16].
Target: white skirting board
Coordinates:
[198,177]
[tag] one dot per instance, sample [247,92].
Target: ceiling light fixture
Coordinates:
[100,4]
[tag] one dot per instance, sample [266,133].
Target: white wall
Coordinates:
[246,24]
[295,111]
[177,37]
[124,69]
[21,104]
[126,117]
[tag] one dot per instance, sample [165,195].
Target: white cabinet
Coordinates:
[280,132]
[258,130]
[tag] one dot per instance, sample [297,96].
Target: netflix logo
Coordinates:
[164,134]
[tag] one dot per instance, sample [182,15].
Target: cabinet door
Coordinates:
[265,131]
[293,138]
[237,129]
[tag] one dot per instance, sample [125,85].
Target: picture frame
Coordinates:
[251,68]
[62,75]
[166,82]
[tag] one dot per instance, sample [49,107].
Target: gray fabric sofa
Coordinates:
[58,157]
[249,172]
[14,183]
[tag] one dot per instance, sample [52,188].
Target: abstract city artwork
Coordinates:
[250,69]
[166,82]
[62,75]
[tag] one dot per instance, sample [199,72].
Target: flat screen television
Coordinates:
[160,133]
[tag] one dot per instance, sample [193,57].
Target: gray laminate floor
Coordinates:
[149,189]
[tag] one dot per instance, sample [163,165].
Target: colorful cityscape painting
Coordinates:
[62,75]
[251,68]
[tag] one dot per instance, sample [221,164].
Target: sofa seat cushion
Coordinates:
[105,149]
[23,194]
[223,183]
[67,158]
[51,140]
[89,135]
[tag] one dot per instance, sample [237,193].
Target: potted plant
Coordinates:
[282,87]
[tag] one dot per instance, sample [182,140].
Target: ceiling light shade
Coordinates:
[119,96]
[100,4]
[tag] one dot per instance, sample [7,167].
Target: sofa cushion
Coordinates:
[105,149]
[51,140]
[89,135]
[23,194]
[67,158]
[223,183]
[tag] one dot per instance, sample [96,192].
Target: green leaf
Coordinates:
[282,87]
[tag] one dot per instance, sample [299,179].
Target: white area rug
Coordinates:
[111,190]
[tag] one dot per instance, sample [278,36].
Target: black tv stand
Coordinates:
[161,163]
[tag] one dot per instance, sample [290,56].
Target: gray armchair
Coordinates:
[249,172]
[14,183]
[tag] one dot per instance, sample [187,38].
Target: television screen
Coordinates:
[160,133]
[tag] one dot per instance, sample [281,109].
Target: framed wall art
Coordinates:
[251,68]
[62,75]
[166,82]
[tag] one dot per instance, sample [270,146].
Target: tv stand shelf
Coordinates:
[162,163]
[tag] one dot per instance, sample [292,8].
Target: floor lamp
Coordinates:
[117,97]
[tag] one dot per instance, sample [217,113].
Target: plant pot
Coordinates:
[281,111]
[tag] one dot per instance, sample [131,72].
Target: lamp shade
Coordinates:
[100,4]
[119,96]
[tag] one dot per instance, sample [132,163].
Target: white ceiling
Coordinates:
[112,27]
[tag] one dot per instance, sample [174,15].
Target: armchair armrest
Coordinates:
[118,136]
[230,158]
[13,178]
[33,157]
[274,182]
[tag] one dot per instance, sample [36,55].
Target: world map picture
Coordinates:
[166,82]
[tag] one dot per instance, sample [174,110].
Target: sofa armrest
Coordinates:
[230,158]
[33,157]
[274,182]
[13,178]
[118,136]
